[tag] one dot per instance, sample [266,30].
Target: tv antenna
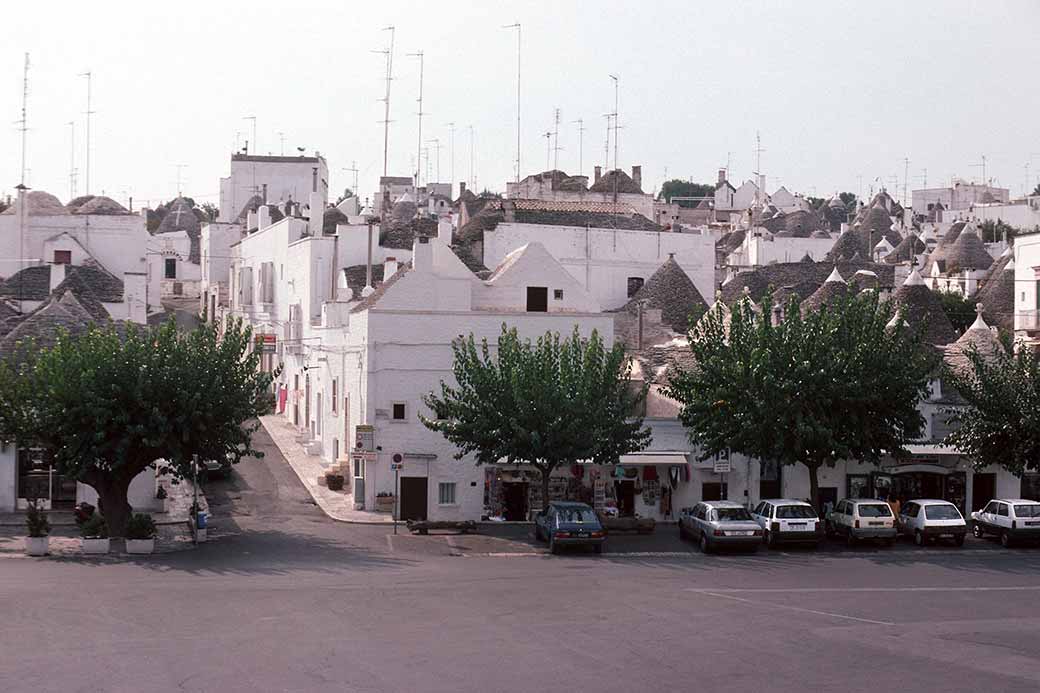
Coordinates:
[556,139]
[90,83]
[24,122]
[281,142]
[451,156]
[419,55]
[581,137]
[72,159]
[436,142]
[617,126]
[548,147]
[517,27]
[252,118]
[982,164]
[389,53]
[906,178]
[353,169]
[472,177]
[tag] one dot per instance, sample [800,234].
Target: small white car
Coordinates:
[787,521]
[1009,519]
[928,519]
[857,519]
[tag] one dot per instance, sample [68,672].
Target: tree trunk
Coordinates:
[814,484]
[113,504]
[545,486]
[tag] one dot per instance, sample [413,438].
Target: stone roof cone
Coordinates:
[920,306]
[670,290]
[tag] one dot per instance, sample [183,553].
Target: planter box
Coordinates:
[95,546]
[37,546]
[140,546]
[384,504]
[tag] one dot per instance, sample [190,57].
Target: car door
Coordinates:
[761,514]
[1003,517]
[986,516]
[907,518]
[693,523]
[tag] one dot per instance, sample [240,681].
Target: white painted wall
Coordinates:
[284,177]
[756,251]
[1027,283]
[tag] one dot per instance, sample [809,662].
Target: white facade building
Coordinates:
[274,179]
[961,195]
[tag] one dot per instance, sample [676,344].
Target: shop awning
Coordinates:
[932,449]
[654,458]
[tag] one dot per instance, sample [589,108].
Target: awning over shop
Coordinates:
[932,449]
[654,458]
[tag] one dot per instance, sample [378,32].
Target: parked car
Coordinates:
[715,524]
[1011,520]
[857,519]
[569,524]
[786,521]
[932,520]
[216,469]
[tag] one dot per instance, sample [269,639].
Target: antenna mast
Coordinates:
[90,83]
[72,160]
[472,178]
[353,169]
[436,142]
[25,106]
[556,139]
[517,27]
[252,118]
[906,176]
[451,154]
[419,55]
[581,133]
[389,53]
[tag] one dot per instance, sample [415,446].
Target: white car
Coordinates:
[784,521]
[927,520]
[857,519]
[1008,518]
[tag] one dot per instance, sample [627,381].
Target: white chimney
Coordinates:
[389,267]
[57,275]
[251,220]
[422,254]
[135,295]
[317,214]
[263,217]
[444,231]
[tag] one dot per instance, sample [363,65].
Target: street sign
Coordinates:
[721,467]
[266,343]
[365,438]
[363,455]
[396,466]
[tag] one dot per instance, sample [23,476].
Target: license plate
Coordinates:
[582,535]
[877,524]
[798,527]
[946,536]
[1032,524]
[740,534]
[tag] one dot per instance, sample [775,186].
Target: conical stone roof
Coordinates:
[908,248]
[967,252]
[939,252]
[832,291]
[978,338]
[670,290]
[921,308]
[997,295]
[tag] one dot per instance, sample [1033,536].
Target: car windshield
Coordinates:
[577,515]
[872,510]
[941,512]
[1027,510]
[795,512]
[733,514]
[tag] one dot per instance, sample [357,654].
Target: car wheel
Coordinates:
[850,539]
[976,531]
[770,539]
[705,546]
[553,546]
[918,538]
[959,541]
[1005,539]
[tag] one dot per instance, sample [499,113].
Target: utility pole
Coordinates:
[389,53]
[419,55]
[581,137]
[252,118]
[281,142]
[606,147]
[437,145]
[758,154]
[90,82]
[72,160]
[906,178]
[617,126]
[24,122]
[517,27]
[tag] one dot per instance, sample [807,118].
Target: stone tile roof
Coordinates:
[796,274]
[908,249]
[798,224]
[978,338]
[60,312]
[400,235]
[29,284]
[625,184]
[670,290]
[40,203]
[833,290]
[919,306]
[938,253]
[727,244]
[181,217]
[373,298]
[356,275]
[997,295]
[100,205]
[556,213]
[332,217]
[874,225]
[967,252]
[91,284]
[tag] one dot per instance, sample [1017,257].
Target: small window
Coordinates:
[335,449]
[170,268]
[537,299]
[62,257]
[399,412]
[1002,509]
[557,294]
[446,493]
[335,399]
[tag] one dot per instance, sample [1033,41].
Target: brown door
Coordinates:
[413,498]
[626,498]
[983,488]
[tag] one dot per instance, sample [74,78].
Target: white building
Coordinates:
[215,241]
[961,195]
[1027,288]
[275,179]
[558,186]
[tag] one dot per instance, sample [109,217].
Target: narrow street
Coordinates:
[283,598]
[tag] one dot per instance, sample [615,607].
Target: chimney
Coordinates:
[598,174]
[317,212]
[264,198]
[422,254]
[263,217]
[251,221]
[314,179]
[444,231]
[637,175]
[722,175]
[389,267]
[462,188]
[57,275]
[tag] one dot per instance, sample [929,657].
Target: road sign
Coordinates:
[364,455]
[396,466]
[721,467]
[365,438]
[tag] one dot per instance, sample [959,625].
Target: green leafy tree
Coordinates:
[994,231]
[551,403]
[115,401]
[210,210]
[1036,190]
[850,201]
[830,385]
[816,202]
[1001,423]
[684,188]
[958,309]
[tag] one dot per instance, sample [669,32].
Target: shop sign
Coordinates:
[365,438]
[266,343]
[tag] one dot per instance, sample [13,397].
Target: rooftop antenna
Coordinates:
[252,118]
[472,177]
[353,169]
[281,142]
[729,157]
[517,27]
[389,53]
[89,112]
[24,122]
[437,145]
[581,137]
[72,160]
[906,178]
[923,178]
[451,156]
[419,55]
[556,139]
[548,147]
[606,147]
[425,151]
[983,165]
[758,153]
[617,126]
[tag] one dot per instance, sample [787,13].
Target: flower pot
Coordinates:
[140,546]
[384,504]
[37,546]
[95,546]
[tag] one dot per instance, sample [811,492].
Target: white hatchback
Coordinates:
[784,520]
[932,520]
[1009,519]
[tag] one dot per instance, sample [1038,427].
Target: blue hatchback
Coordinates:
[566,523]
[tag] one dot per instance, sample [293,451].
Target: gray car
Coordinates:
[717,524]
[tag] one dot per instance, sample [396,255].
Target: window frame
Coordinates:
[393,411]
[61,259]
[443,486]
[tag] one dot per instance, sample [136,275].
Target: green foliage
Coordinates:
[831,385]
[958,309]
[36,523]
[684,188]
[117,400]
[546,404]
[993,231]
[850,201]
[94,528]
[1001,422]
[140,526]
[816,202]
[210,211]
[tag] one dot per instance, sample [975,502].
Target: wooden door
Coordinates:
[413,498]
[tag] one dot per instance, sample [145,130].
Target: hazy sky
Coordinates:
[841,92]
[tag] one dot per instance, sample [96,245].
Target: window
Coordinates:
[874,510]
[335,399]
[170,265]
[537,299]
[399,411]
[62,257]
[446,493]
[634,285]
[1002,509]
[1030,510]
[795,512]
[335,449]
[711,491]
[557,294]
[941,512]
[990,508]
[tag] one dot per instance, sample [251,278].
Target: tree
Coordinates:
[684,188]
[815,203]
[1001,422]
[958,309]
[995,231]
[115,401]
[833,384]
[210,210]
[1036,190]
[547,404]
[850,201]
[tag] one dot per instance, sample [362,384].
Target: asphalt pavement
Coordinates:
[284,599]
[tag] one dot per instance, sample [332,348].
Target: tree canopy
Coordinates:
[551,403]
[684,188]
[115,400]
[833,384]
[994,231]
[1001,422]
[850,201]
[958,309]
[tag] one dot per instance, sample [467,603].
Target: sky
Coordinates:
[840,93]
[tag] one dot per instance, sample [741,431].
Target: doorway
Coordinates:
[38,479]
[413,497]
[626,497]
[983,489]
[770,481]
[514,500]
[296,400]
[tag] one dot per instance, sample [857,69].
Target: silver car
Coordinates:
[716,524]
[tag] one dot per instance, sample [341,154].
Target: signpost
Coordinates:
[396,462]
[722,466]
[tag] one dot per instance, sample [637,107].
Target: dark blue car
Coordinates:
[566,523]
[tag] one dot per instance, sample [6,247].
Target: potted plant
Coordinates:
[140,534]
[384,501]
[334,481]
[38,541]
[95,534]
